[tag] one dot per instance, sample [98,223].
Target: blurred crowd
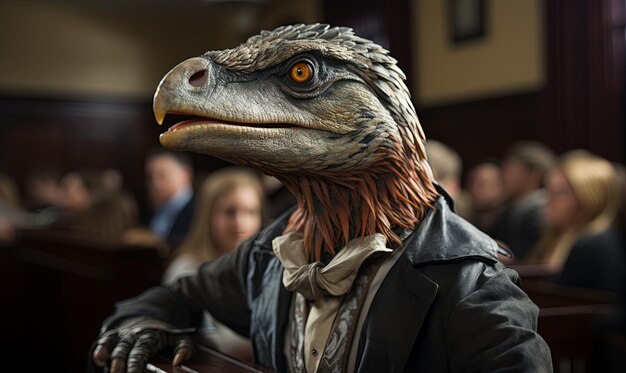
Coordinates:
[189,218]
[564,212]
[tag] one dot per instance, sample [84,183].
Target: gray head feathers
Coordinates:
[366,58]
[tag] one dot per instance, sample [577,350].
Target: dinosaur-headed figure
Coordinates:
[327,113]
[323,110]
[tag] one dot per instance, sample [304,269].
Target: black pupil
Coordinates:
[299,71]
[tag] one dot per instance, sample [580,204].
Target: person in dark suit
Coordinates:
[169,178]
[524,168]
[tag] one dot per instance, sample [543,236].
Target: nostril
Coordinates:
[199,78]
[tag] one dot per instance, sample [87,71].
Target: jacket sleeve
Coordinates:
[493,329]
[219,287]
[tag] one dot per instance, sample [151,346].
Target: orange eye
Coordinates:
[301,72]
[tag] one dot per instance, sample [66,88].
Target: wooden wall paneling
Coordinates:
[583,101]
[74,134]
[482,129]
[387,23]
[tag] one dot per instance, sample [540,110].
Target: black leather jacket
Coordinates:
[447,305]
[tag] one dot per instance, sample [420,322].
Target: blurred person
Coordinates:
[8,208]
[10,193]
[447,166]
[12,214]
[614,323]
[580,242]
[7,231]
[44,197]
[58,202]
[42,189]
[229,211]
[486,190]
[620,221]
[112,179]
[524,168]
[169,178]
[113,215]
[77,189]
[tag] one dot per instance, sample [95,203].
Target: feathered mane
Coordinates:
[395,193]
[333,210]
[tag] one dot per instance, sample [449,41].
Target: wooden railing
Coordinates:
[207,359]
[569,322]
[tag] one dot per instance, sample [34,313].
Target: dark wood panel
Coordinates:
[63,286]
[583,101]
[387,23]
[73,134]
[483,128]
[569,322]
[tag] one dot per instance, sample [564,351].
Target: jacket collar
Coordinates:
[274,229]
[444,236]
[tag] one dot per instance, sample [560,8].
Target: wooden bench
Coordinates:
[534,271]
[568,320]
[60,286]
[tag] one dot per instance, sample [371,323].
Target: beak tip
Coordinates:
[159,110]
[160,104]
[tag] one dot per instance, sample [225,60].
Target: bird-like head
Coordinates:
[321,108]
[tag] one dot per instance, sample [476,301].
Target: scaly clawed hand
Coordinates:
[137,340]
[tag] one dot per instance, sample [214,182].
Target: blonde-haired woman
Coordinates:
[580,241]
[229,211]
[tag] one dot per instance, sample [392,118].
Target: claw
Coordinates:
[118,366]
[100,356]
[182,354]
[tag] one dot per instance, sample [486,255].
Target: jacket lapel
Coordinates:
[402,302]
[269,301]
[396,314]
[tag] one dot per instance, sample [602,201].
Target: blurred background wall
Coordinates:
[77,77]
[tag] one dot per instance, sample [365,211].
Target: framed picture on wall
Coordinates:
[467,20]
